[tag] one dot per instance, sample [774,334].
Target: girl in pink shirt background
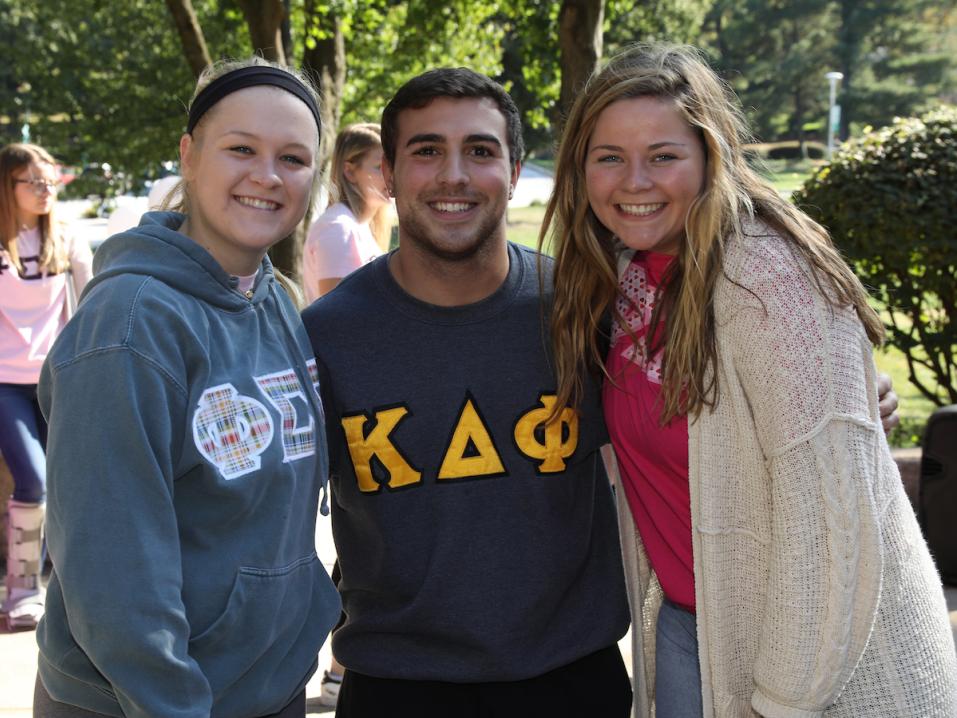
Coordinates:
[356,226]
[42,271]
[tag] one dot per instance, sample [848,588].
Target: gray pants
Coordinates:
[46,707]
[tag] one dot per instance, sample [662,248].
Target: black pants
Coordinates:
[46,707]
[596,686]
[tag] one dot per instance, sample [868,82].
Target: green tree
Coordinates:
[773,55]
[388,43]
[95,96]
[680,21]
[893,58]
[530,69]
[889,199]
[580,30]
[12,108]
[896,58]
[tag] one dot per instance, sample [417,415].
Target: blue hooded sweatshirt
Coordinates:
[186,459]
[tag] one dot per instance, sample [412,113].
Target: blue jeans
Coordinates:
[677,671]
[23,437]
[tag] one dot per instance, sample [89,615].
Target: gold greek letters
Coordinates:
[470,437]
[471,451]
[558,444]
[363,447]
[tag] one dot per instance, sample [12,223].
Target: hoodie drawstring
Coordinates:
[313,398]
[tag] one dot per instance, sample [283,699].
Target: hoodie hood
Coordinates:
[156,248]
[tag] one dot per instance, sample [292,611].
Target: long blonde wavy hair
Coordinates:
[353,143]
[586,279]
[54,257]
[177,199]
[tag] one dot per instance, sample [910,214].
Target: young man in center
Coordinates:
[481,574]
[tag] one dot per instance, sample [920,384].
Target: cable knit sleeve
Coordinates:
[807,373]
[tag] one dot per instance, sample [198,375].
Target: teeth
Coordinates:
[641,210]
[258,203]
[451,206]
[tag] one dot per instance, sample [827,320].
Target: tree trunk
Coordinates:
[190,34]
[285,32]
[797,117]
[849,44]
[264,19]
[579,41]
[325,63]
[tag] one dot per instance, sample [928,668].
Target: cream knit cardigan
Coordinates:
[815,592]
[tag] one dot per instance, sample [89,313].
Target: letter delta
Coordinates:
[471,451]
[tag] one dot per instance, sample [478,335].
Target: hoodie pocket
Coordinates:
[266,612]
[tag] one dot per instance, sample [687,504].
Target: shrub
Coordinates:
[889,199]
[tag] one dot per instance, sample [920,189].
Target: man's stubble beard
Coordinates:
[481,241]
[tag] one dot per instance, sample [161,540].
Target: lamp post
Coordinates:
[834,111]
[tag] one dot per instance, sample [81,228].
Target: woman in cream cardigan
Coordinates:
[775,565]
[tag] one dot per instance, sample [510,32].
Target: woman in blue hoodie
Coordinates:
[187,451]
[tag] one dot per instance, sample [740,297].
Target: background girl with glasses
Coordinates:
[42,270]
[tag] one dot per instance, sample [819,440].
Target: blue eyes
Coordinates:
[246,150]
[656,159]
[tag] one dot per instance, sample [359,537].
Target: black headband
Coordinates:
[248,77]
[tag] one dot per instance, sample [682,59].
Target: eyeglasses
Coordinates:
[39,186]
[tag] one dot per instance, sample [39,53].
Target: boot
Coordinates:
[24,603]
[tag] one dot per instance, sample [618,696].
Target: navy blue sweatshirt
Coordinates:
[475,542]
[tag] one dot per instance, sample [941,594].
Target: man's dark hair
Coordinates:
[455,82]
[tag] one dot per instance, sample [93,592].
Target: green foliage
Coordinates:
[894,57]
[11,104]
[915,408]
[653,20]
[106,82]
[897,59]
[388,43]
[530,69]
[774,56]
[889,199]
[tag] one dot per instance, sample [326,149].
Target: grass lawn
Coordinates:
[915,409]
[787,175]
[524,223]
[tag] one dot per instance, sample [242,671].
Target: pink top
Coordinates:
[653,460]
[246,283]
[33,307]
[336,246]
